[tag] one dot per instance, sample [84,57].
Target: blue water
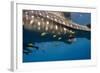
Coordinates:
[56,50]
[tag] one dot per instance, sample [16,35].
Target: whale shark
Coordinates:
[45,26]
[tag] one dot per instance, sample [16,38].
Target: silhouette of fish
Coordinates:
[43,26]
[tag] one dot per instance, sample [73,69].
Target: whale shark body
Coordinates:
[44,26]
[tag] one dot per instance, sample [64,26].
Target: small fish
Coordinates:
[28,48]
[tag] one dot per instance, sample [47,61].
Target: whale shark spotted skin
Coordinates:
[53,26]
